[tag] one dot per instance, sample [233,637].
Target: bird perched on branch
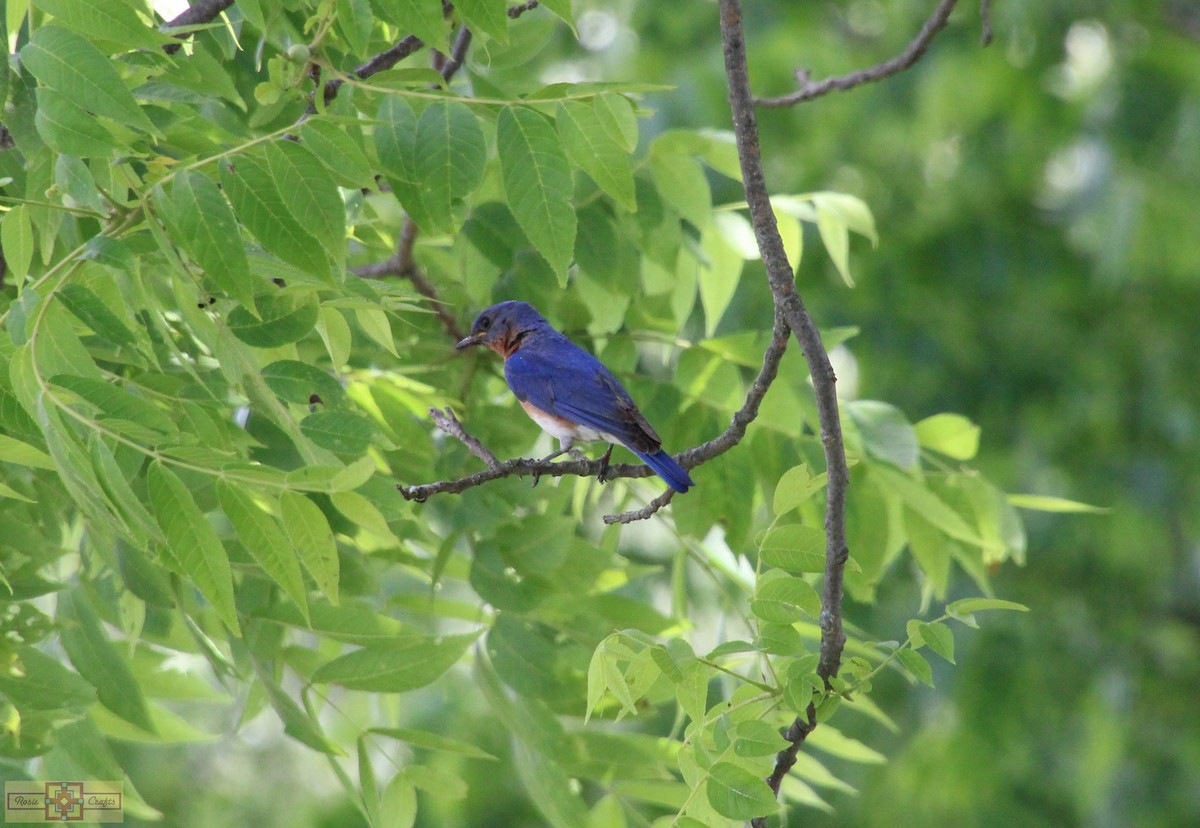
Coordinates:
[567,391]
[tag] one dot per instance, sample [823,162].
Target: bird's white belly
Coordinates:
[564,430]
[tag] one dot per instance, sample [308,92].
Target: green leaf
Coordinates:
[719,273]
[209,233]
[450,157]
[296,722]
[795,548]
[925,503]
[757,738]
[44,684]
[832,741]
[399,804]
[90,309]
[736,793]
[98,661]
[13,450]
[837,213]
[966,606]
[950,434]
[617,117]
[433,741]
[797,485]
[785,600]
[886,432]
[296,382]
[282,318]
[682,184]
[73,67]
[113,21]
[404,663]
[116,403]
[593,145]
[538,184]
[266,542]
[940,639]
[395,137]
[343,432]
[192,545]
[486,16]
[311,196]
[562,9]
[313,540]
[361,512]
[16,239]
[374,322]
[69,128]
[421,17]
[338,151]
[931,549]
[916,664]
[1048,503]
[264,209]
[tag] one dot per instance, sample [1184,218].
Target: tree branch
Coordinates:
[790,306]
[381,62]
[689,459]
[516,11]
[201,11]
[911,54]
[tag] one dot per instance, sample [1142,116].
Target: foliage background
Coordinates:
[1036,272]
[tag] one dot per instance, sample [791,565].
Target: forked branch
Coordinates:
[809,89]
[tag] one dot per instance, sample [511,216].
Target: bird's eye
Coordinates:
[484,323]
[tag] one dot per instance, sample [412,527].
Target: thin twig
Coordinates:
[379,63]
[201,11]
[516,11]
[911,54]
[643,513]
[985,22]
[447,422]
[789,304]
[406,269]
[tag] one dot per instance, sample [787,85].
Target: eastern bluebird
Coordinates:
[566,390]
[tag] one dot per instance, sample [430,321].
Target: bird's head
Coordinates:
[502,327]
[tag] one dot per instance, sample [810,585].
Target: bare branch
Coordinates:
[404,266]
[642,513]
[379,63]
[985,22]
[790,306]
[458,53]
[516,11]
[447,422]
[911,54]
[201,11]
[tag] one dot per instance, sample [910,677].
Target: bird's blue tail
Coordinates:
[664,466]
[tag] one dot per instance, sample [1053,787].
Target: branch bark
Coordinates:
[789,305]
[911,54]
[201,11]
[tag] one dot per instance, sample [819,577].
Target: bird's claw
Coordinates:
[602,475]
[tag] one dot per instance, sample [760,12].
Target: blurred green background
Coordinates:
[1039,272]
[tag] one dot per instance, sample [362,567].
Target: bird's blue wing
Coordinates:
[562,379]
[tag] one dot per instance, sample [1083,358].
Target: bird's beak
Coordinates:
[473,339]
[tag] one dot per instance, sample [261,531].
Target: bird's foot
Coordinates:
[602,476]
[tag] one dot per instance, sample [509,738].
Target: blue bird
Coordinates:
[567,391]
